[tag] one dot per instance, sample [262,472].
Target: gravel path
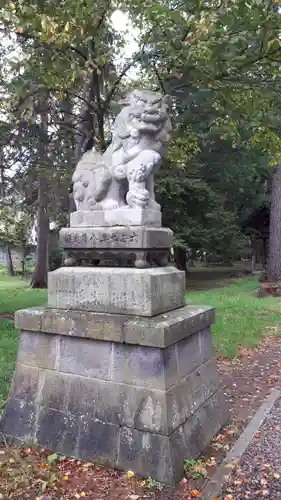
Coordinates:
[259,473]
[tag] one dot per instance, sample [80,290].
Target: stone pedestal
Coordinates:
[136,393]
[117,369]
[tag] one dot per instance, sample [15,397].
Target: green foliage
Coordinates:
[15,226]
[223,236]
[52,459]
[197,212]
[154,485]
[194,469]
[220,62]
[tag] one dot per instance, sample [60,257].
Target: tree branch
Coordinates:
[160,81]
[101,20]
[114,88]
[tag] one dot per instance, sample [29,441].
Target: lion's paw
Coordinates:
[109,204]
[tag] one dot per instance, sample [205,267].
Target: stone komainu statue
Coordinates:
[124,174]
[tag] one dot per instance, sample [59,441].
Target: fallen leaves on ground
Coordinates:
[36,474]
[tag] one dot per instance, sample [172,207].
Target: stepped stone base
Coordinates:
[143,406]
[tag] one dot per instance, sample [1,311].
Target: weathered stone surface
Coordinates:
[170,365]
[193,351]
[116,237]
[83,324]
[88,358]
[30,318]
[150,454]
[206,422]
[97,398]
[18,419]
[25,383]
[98,441]
[190,393]
[205,345]
[38,350]
[144,366]
[123,246]
[57,430]
[144,409]
[120,425]
[179,452]
[118,217]
[117,290]
[167,329]
[142,451]
[161,331]
[54,390]
[118,404]
[189,355]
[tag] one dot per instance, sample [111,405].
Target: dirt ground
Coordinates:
[33,474]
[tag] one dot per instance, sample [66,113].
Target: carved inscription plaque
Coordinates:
[99,239]
[116,238]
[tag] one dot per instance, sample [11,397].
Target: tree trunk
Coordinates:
[2,178]
[264,253]
[274,255]
[193,257]
[254,260]
[85,132]
[9,260]
[23,267]
[90,130]
[39,278]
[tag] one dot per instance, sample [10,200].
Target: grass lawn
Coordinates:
[202,277]
[241,318]
[14,295]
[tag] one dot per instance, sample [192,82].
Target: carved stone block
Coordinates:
[116,237]
[160,331]
[144,292]
[123,216]
[119,245]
